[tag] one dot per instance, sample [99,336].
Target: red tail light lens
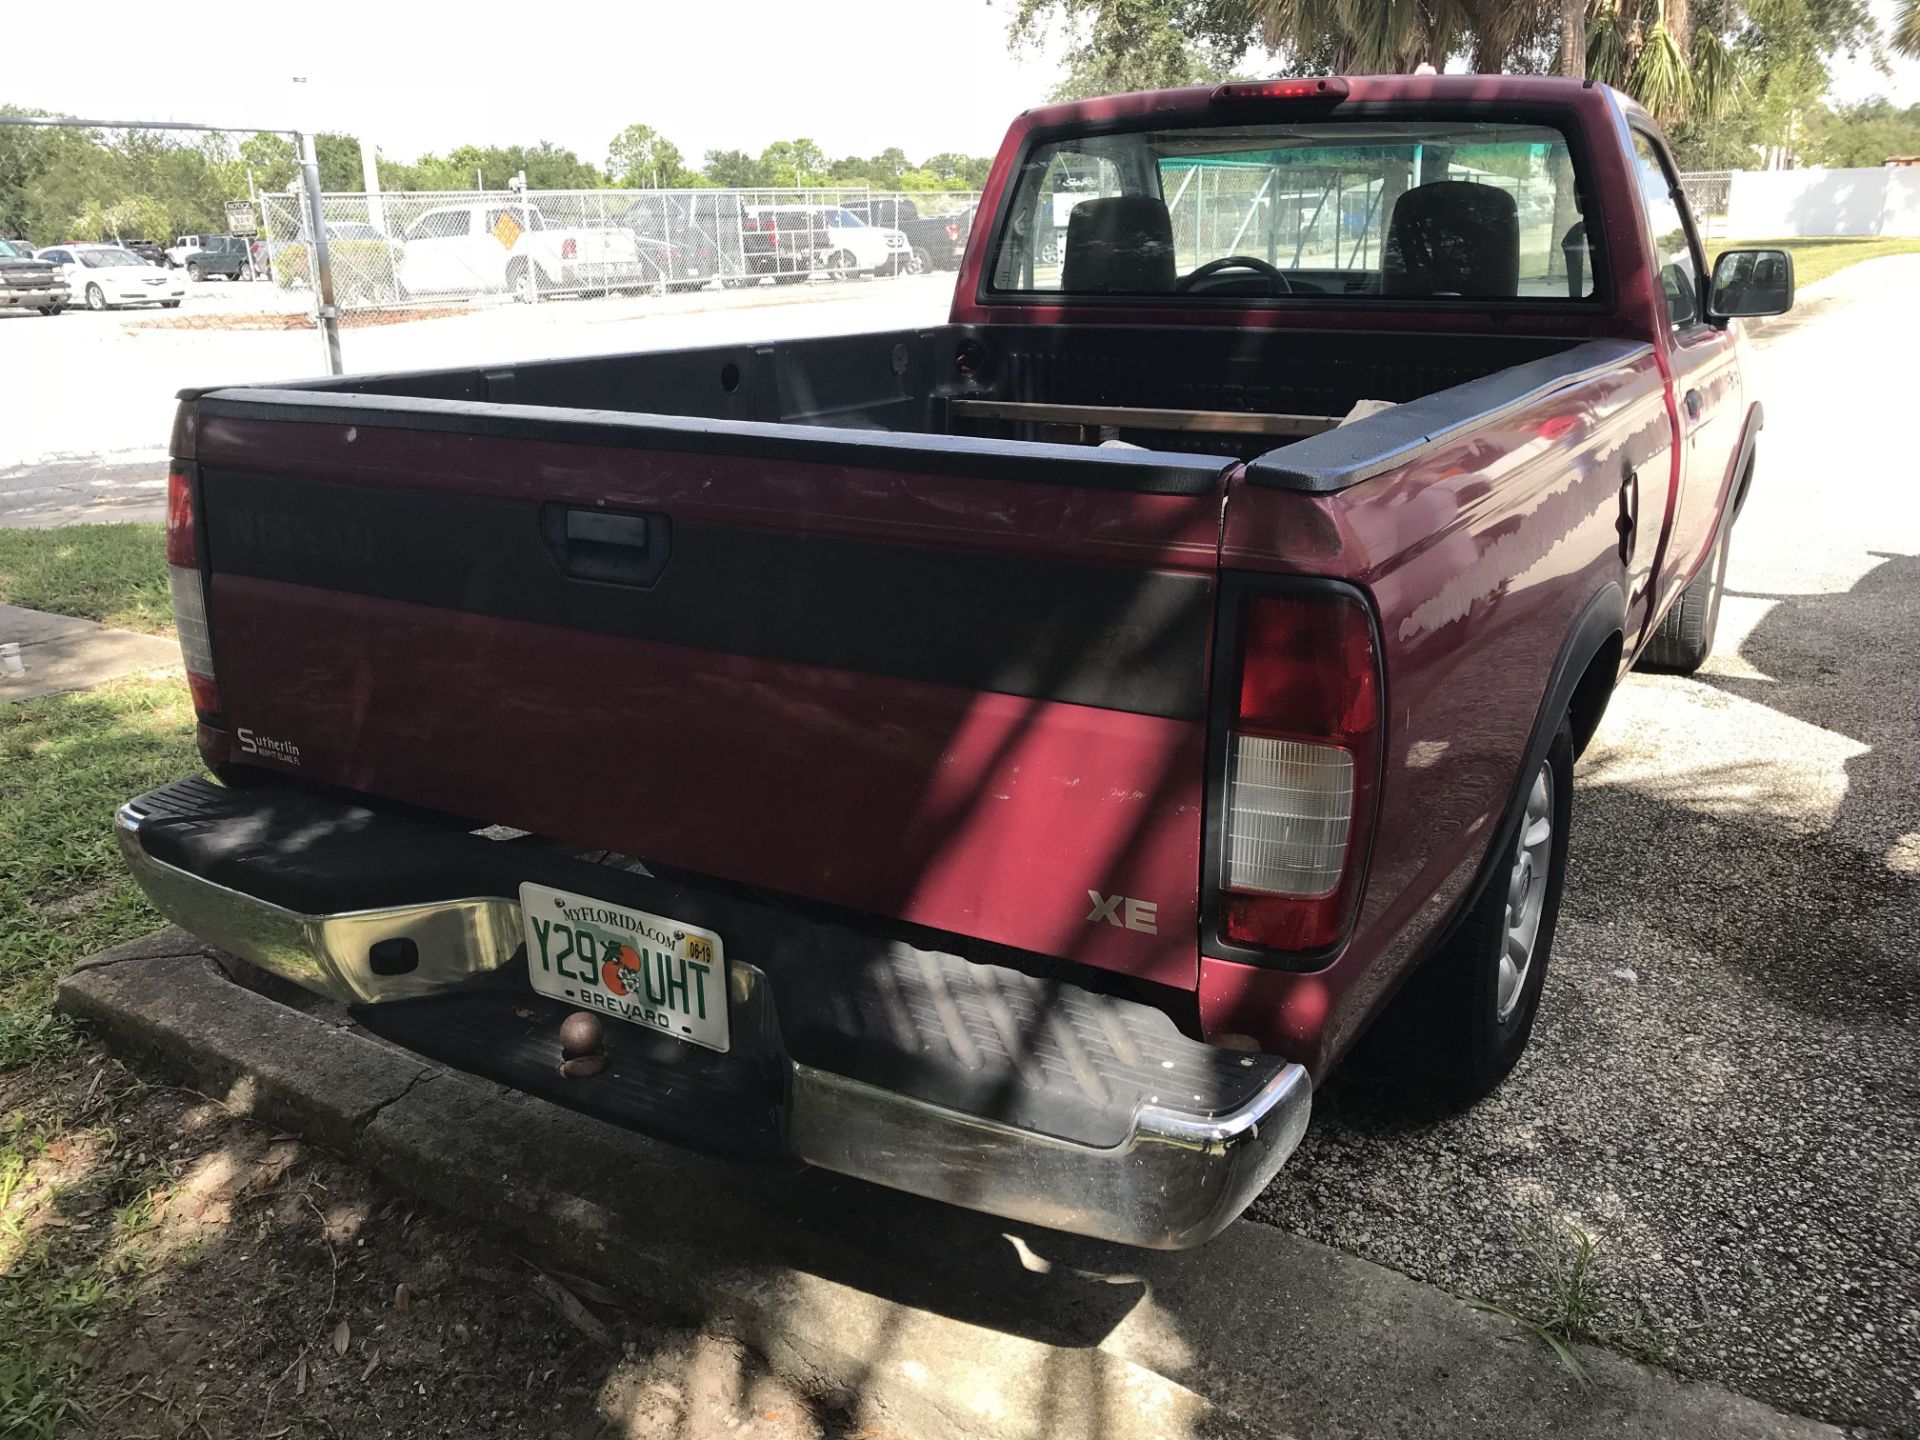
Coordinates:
[569,248]
[953,232]
[1303,760]
[1320,87]
[182,547]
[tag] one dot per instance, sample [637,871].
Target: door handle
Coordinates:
[1694,401]
[1628,522]
[609,547]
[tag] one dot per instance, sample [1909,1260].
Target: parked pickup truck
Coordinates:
[1015,760]
[935,242]
[500,246]
[29,283]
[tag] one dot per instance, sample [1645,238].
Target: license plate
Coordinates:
[649,970]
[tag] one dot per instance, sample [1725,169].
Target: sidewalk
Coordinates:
[946,1323]
[43,654]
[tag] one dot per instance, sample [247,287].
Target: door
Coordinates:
[431,261]
[1706,378]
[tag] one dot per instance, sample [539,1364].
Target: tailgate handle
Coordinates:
[609,547]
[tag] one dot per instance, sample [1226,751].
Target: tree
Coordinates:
[732,169]
[963,172]
[1906,28]
[641,158]
[1121,45]
[273,160]
[794,164]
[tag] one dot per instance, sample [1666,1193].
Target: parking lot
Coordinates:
[1723,1090]
[90,397]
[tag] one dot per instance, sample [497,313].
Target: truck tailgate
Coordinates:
[956,682]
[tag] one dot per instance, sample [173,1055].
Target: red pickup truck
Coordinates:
[1014,760]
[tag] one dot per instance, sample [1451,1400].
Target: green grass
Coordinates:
[66,761]
[116,574]
[1817,259]
[1566,1301]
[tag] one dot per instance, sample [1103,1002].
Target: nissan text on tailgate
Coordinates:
[1015,760]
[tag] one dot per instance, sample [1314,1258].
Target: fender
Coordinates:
[1599,624]
[1742,469]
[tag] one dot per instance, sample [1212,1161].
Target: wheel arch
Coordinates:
[1579,685]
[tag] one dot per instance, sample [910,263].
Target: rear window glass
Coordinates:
[1428,209]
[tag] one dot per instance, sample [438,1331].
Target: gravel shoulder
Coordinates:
[1724,1086]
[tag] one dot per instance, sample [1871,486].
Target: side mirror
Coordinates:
[1751,282]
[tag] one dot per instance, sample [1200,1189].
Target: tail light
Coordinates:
[569,248]
[1311,87]
[1303,763]
[953,231]
[188,589]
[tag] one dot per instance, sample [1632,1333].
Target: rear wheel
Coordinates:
[1683,640]
[170,304]
[96,298]
[51,309]
[193,270]
[919,262]
[1465,1016]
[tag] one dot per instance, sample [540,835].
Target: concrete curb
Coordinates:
[944,1323]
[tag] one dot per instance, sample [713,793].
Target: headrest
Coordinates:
[1453,237]
[1121,245]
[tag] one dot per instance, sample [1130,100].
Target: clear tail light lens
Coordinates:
[1302,761]
[1288,819]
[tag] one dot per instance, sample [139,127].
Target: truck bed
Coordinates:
[921,383]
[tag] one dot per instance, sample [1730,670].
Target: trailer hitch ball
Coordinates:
[582,1038]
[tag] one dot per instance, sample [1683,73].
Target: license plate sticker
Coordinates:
[649,970]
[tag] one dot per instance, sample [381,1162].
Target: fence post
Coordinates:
[327,312]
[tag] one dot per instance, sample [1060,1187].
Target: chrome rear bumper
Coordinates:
[1175,1178]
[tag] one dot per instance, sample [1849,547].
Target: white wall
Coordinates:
[1764,204]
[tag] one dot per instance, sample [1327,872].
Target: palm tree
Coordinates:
[1906,28]
[1653,50]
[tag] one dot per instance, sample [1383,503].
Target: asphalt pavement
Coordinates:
[1724,1085]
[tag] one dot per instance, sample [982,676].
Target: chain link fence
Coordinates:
[416,250]
[1707,192]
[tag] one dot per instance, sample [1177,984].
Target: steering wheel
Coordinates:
[1240,262]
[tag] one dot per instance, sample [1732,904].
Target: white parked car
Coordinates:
[856,248]
[491,246]
[102,277]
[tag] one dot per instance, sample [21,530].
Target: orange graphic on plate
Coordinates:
[623,968]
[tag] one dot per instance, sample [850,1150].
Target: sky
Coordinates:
[926,75]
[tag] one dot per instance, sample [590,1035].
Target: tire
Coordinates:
[919,262]
[1683,639]
[524,283]
[51,309]
[1465,1016]
[193,270]
[842,266]
[96,298]
[169,304]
